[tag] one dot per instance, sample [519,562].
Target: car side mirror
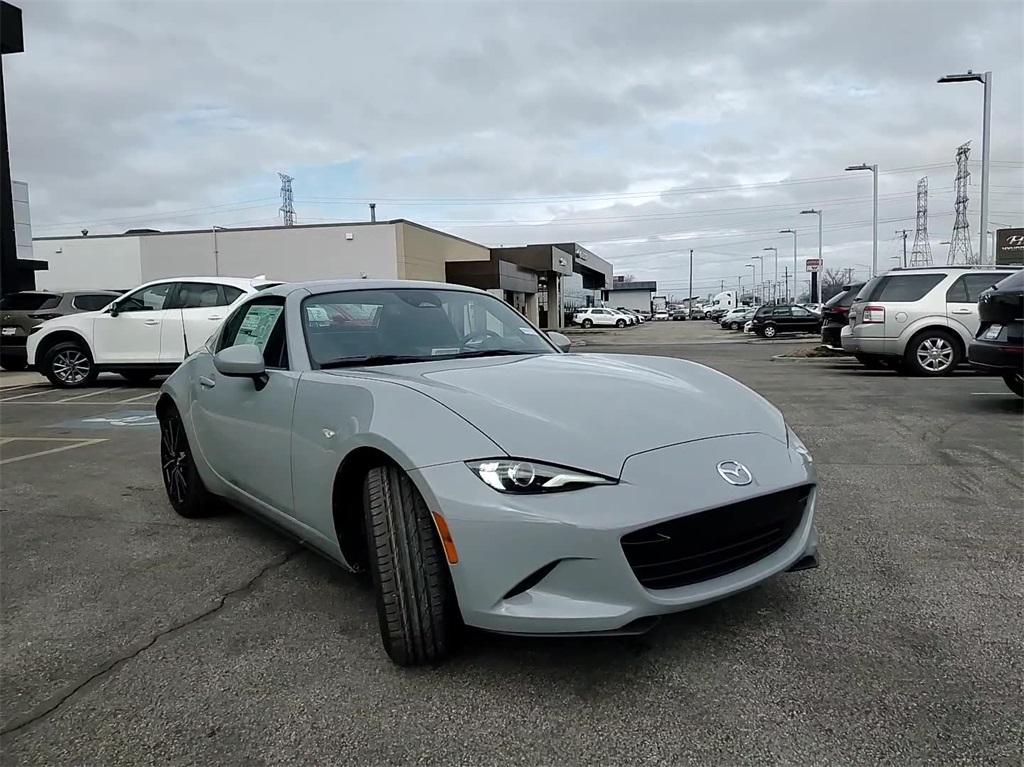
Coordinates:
[113,311]
[244,361]
[559,340]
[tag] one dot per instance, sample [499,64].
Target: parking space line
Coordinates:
[136,399]
[23,396]
[41,453]
[82,396]
[989,393]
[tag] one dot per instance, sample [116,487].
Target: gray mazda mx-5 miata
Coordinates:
[430,434]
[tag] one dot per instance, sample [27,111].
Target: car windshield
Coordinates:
[386,326]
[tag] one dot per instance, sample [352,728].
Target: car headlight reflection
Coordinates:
[511,475]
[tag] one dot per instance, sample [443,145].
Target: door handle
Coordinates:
[152,322]
[207,383]
[961,311]
[215,317]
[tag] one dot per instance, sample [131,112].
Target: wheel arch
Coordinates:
[50,340]
[914,332]
[347,501]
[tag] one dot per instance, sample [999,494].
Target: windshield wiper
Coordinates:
[372,359]
[486,353]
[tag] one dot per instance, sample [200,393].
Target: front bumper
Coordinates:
[554,563]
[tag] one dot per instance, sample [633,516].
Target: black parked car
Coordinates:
[773,319]
[836,315]
[999,344]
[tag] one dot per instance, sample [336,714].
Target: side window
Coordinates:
[148,299]
[90,303]
[197,295]
[976,284]
[907,287]
[799,311]
[260,323]
[781,311]
[229,294]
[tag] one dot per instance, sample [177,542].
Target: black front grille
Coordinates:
[715,542]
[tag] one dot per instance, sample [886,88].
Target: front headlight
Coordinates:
[514,475]
[797,444]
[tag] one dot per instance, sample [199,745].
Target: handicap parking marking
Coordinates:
[72,443]
[122,419]
[93,398]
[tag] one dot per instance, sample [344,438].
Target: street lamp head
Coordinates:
[862,166]
[771,247]
[787,231]
[812,210]
[966,77]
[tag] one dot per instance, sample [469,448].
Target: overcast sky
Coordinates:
[639,130]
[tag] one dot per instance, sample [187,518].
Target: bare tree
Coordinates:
[625,278]
[832,282]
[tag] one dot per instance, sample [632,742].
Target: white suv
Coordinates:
[145,332]
[596,315]
[919,319]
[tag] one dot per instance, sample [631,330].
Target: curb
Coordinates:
[786,358]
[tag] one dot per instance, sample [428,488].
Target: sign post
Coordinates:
[813,265]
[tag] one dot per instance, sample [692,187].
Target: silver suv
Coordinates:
[919,319]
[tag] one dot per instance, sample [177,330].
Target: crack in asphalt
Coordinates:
[54,702]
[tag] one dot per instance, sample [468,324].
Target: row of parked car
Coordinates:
[927,321]
[603,316]
[769,320]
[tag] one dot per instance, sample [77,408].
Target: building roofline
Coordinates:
[207,230]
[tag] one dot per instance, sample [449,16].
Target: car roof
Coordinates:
[948,269]
[317,287]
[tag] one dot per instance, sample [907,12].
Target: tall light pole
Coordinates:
[216,252]
[759,258]
[753,276]
[821,266]
[792,232]
[986,80]
[874,213]
[776,282]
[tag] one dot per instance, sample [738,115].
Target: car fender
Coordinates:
[80,324]
[931,321]
[336,414]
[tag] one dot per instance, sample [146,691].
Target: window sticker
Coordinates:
[528,331]
[257,324]
[318,315]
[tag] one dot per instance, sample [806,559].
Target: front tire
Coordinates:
[734,326]
[770,331]
[620,323]
[185,489]
[416,605]
[588,323]
[69,365]
[932,353]
[1016,383]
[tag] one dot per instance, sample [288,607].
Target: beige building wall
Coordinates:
[290,254]
[422,252]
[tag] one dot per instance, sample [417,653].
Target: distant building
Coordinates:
[631,295]
[530,278]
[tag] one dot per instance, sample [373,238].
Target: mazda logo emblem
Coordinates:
[735,473]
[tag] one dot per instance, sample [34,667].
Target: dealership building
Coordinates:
[634,294]
[545,282]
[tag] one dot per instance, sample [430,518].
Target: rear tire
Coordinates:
[416,606]
[734,326]
[770,331]
[14,364]
[588,323]
[1016,383]
[69,365]
[933,353]
[185,489]
[620,323]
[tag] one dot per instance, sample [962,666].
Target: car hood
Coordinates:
[589,411]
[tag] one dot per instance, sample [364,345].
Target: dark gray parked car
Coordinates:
[20,312]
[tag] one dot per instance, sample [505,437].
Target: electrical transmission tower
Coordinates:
[921,253]
[960,250]
[287,202]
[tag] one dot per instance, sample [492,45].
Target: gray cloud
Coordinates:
[124,112]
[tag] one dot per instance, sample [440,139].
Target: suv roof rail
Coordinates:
[953,266]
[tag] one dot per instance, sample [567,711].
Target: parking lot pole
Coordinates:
[689,301]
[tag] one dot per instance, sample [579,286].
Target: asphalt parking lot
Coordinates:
[131,636]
